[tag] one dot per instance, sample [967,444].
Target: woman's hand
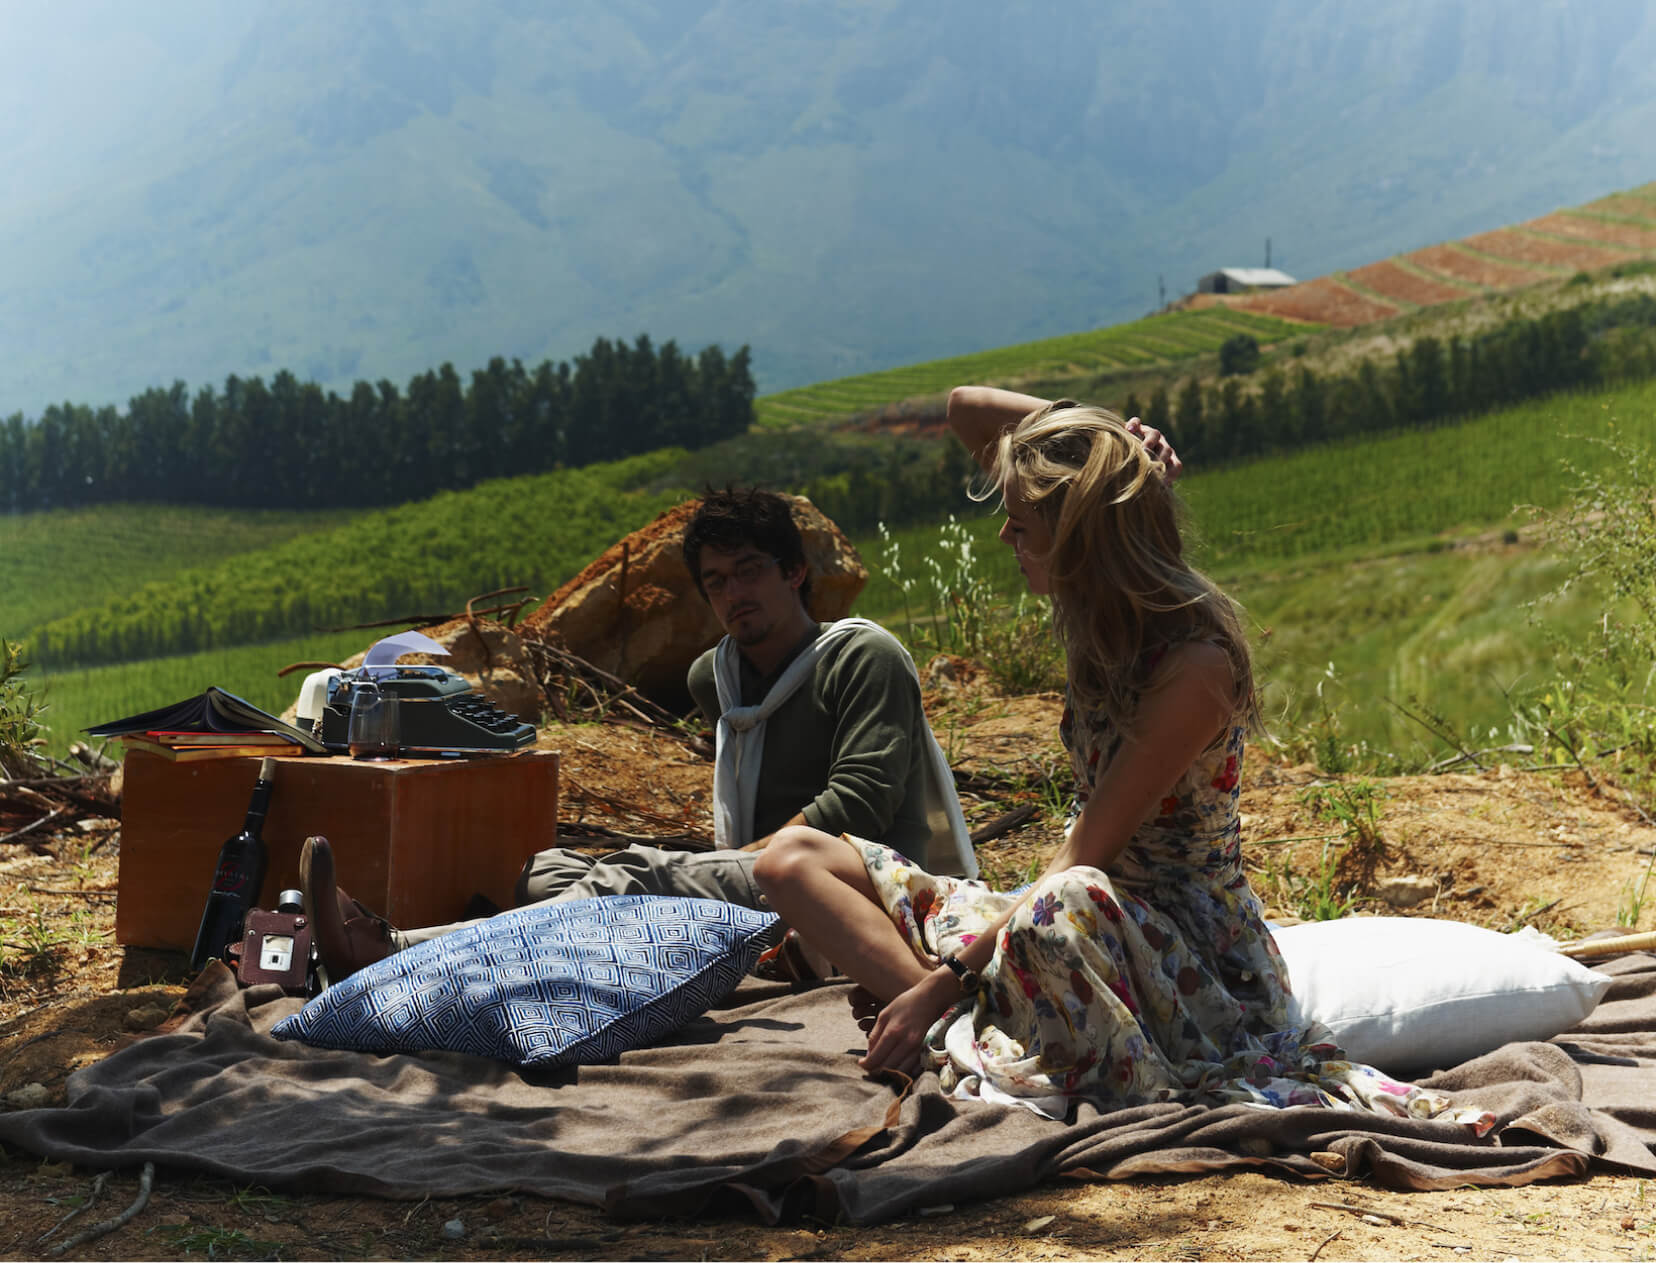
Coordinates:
[900,1030]
[1155,442]
[865,1007]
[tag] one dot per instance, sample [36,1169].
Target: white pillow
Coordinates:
[1407,993]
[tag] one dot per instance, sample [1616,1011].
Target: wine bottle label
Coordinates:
[231,879]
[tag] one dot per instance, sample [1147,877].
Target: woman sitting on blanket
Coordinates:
[1138,968]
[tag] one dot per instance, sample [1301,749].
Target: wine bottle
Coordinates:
[240,874]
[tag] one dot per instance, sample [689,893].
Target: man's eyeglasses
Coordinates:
[744,572]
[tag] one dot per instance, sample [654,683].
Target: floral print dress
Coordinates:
[1157,981]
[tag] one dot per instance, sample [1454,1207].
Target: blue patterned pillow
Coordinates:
[550,985]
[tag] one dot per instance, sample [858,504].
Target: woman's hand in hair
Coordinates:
[1155,442]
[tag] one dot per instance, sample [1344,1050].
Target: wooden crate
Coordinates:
[413,839]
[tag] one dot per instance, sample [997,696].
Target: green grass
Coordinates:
[1404,488]
[1442,631]
[1154,339]
[1440,634]
[55,563]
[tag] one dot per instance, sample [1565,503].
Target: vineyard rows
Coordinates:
[57,562]
[1547,252]
[425,558]
[1412,485]
[1391,280]
[1155,339]
[1616,232]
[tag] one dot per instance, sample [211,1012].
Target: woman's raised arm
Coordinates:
[980,414]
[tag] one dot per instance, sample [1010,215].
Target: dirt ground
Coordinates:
[1499,847]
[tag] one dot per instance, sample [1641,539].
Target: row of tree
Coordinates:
[1431,380]
[290,444]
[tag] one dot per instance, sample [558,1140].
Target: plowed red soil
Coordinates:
[1600,230]
[1324,300]
[1512,243]
[1390,280]
[1458,265]
[1629,205]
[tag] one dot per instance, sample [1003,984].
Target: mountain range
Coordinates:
[351,190]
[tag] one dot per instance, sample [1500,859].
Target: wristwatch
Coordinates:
[969,980]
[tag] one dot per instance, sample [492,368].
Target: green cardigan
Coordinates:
[845,749]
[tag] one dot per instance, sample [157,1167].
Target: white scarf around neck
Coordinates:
[740,747]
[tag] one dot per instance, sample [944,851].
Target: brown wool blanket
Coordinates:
[760,1104]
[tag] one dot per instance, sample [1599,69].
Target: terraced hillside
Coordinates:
[1154,340]
[1618,230]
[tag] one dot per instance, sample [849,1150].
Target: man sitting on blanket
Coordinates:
[816,724]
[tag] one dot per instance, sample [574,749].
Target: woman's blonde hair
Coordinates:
[1119,582]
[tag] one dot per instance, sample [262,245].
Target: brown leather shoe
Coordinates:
[347,935]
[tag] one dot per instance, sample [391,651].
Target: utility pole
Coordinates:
[1161,292]
[1267,252]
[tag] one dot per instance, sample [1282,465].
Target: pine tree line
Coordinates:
[290,444]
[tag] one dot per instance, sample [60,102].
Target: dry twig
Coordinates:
[145,1183]
[1443,765]
[569,830]
[97,1191]
[1004,823]
[1610,946]
[38,847]
[572,684]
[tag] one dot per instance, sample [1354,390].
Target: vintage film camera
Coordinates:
[276,947]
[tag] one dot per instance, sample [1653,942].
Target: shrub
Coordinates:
[1609,530]
[1598,704]
[1021,651]
[1238,355]
[19,727]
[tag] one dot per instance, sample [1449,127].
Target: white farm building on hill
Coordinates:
[1240,280]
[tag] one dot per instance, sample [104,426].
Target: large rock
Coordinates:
[636,613]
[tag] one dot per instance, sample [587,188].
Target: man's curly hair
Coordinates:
[737,518]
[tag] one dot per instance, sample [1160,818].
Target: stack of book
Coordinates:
[211,725]
[187,747]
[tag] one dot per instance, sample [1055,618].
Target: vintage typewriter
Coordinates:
[438,713]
